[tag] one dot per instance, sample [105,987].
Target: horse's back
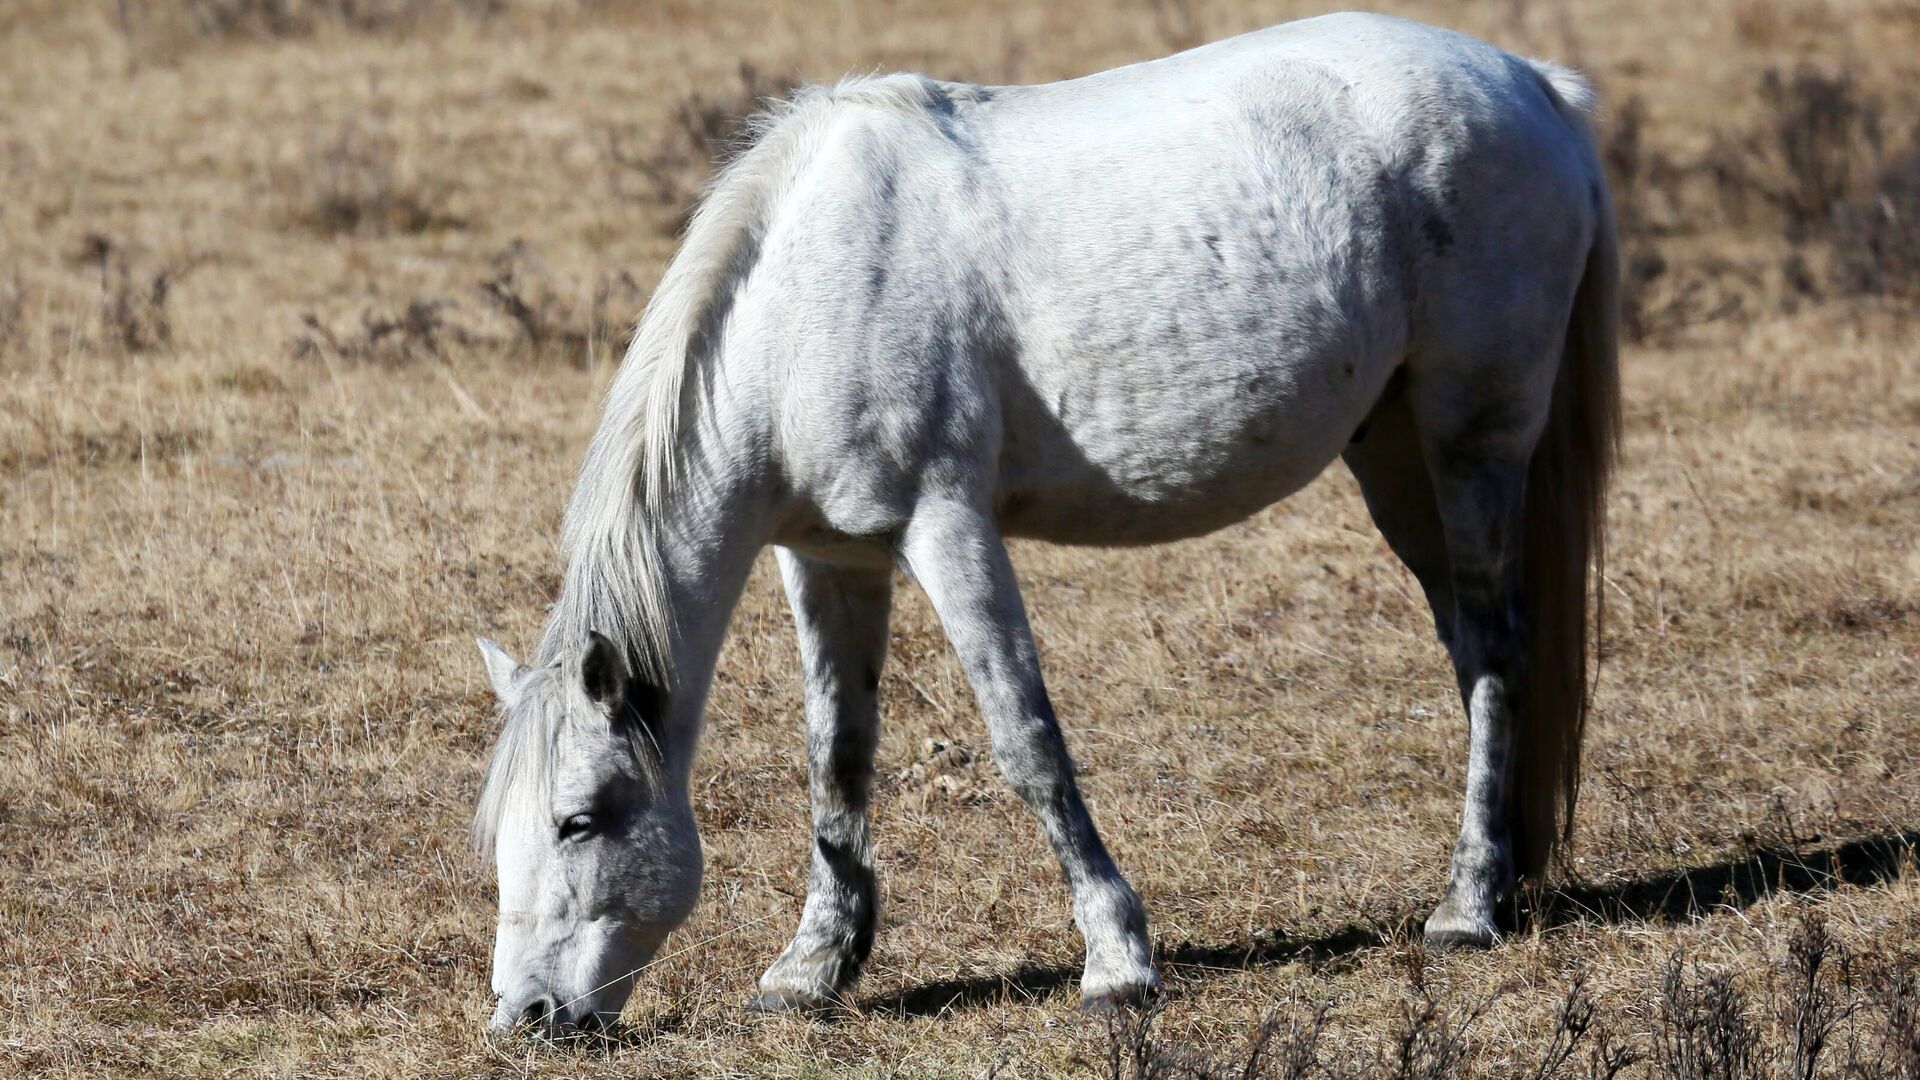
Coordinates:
[1184,283]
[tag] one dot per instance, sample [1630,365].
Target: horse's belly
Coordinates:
[1126,465]
[1115,517]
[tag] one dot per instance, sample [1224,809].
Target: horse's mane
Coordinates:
[615,580]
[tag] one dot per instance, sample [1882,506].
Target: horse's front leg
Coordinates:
[840,615]
[954,551]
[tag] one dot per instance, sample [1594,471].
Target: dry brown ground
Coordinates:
[242,561]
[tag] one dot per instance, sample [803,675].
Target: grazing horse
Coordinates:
[917,317]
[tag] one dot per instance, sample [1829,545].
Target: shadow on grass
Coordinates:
[1672,896]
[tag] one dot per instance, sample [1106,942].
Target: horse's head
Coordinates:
[598,857]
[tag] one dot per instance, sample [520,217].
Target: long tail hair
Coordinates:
[1564,534]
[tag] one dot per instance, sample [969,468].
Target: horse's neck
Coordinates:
[709,559]
[706,529]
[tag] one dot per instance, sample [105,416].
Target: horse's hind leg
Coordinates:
[954,551]
[840,615]
[1391,466]
[1392,470]
[1443,471]
[1478,424]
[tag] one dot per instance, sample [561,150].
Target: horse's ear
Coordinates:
[503,671]
[635,705]
[603,670]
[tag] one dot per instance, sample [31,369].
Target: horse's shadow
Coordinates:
[1674,895]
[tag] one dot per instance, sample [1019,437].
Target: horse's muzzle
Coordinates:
[544,1019]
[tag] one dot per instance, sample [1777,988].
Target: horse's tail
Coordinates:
[1564,528]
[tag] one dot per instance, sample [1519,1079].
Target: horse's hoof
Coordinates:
[770,1002]
[1120,999]
[1457,924]
[1450,939]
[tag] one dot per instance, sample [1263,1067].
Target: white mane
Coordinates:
[615,583]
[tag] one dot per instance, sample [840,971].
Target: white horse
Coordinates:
[917,317]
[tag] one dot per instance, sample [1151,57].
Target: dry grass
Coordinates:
[241,721]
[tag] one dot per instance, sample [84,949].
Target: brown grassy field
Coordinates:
[304,312]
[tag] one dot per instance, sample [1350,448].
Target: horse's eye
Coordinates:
[576,827]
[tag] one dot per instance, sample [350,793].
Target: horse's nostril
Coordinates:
[537,1012]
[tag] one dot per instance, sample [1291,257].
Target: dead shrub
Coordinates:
[418,331]
[1624,152]
[1825,168]
[1655,196]
[1573,1022]
[1809,1008]
[1875,240]
[1667,298]
[13,311]
[166,31]
[352,183]
[536,320]
[1426,1042]
[134,312]
[1702,1030]
[1430,1040]
[1898,1052]
[705,129]
[1782,27]
[1828,1021]
[551,326]
[264,18]
[1826,137]
[1817,169]
[1289,1051]
[296,18]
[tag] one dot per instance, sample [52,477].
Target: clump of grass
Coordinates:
[705,128]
